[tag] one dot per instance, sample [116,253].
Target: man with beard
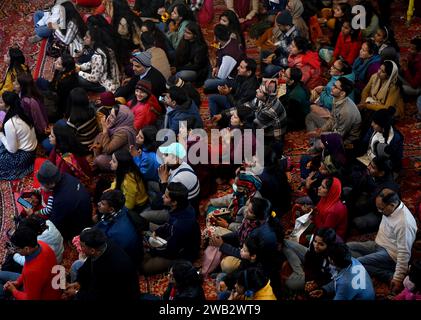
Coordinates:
[243,89]
[143,70]
[345,118]
[182,232]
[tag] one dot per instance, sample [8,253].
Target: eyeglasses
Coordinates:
[336,87]
[333,67]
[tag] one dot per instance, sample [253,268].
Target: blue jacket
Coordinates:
[183,113]
[122,232]
[182,233]
[71,210]
[148,165]
[351,283]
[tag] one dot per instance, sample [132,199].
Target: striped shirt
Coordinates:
[71,38]
[86,132]
[186,175]
[49,208]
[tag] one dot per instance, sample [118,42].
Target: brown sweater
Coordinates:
[111,144]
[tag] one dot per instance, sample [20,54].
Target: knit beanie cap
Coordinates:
[144,58]
[48,173]
[107,98]
[284,18]
[145,86]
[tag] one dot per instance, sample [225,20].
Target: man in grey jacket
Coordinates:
[346,118]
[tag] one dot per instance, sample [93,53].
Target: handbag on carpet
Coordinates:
[55,47]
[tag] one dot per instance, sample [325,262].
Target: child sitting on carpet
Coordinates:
[412,283]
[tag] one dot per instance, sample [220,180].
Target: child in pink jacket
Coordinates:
[412,283]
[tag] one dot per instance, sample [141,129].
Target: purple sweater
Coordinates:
[35,110]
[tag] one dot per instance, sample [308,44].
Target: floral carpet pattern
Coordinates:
[16,26]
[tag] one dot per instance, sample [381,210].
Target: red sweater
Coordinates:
[36,277]
[346,48]
[145,114]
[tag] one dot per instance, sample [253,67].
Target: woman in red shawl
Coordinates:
[330,211]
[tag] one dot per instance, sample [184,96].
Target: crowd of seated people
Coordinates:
[120,177]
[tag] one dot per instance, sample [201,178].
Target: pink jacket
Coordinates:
[408,295]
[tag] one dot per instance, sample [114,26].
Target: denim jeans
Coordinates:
[187,75]
[211,85]
[374,258]
[4,277]
[217,103]
[41,31]
[46,142]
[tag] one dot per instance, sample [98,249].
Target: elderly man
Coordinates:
[388,256]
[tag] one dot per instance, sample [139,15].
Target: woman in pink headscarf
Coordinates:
[117,133]
[330,211]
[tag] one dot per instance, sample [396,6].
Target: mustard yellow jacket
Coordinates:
[134,191]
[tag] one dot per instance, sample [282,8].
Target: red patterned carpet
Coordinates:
[16,27]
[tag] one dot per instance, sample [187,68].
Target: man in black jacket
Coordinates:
[243,89]
[143,70]
[107,274]
[182,232]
